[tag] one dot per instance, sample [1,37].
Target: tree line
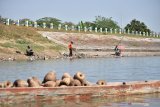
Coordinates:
[99,22]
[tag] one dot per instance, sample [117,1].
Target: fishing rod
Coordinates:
[120,40]
[122,31]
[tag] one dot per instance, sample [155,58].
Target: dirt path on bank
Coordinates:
[94,45]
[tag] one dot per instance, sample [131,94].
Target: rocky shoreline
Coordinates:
[23,57]
[80,54]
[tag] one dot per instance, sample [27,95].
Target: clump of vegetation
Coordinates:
[136,25]
[22,41]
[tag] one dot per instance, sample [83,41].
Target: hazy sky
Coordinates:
[122,11]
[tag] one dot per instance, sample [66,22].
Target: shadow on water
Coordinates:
[151,100]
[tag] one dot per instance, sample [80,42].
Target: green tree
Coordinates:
[48,20]
[70,24]
[3,20]
[23,21]
[90,24]
[103,22]
[136,25]
[81,24]
[86,24]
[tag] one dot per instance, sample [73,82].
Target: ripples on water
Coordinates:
[110,69]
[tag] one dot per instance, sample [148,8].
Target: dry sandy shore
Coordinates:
[91,45]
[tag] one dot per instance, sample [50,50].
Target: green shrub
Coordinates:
[22,41]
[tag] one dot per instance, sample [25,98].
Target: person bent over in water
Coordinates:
[29,51]
[70,49]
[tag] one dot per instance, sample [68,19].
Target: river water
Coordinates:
[110,69]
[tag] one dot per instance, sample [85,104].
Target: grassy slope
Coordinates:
[14,38]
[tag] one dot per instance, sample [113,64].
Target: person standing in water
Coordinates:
[70,49]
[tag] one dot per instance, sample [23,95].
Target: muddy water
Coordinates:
[110,69]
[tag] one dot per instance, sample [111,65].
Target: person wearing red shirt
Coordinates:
[70,49]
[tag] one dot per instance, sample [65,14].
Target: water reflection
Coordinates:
[150,100]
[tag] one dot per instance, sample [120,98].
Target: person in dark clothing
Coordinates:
[70,49]
[29,51]
[117,51]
